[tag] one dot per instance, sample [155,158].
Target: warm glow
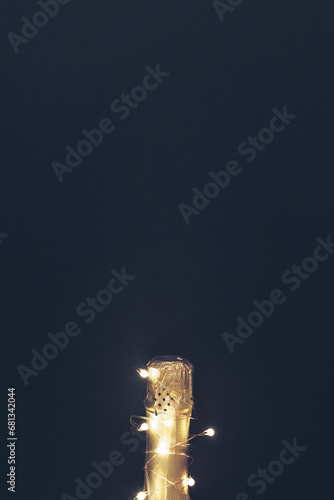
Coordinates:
[210,432]
[143,373]
[143,427]
[141,495]
[154,424]
[153,372]
[163,449]
[188,481]
[168,423]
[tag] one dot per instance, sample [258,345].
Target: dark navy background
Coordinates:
[119,208]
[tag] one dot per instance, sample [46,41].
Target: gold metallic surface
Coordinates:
[168,404]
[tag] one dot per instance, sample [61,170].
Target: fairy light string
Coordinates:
[169,406]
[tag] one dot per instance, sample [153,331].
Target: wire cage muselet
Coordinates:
[169,407]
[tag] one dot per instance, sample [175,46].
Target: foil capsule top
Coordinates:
[169,386]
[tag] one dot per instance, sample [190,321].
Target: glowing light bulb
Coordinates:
[141,495]
[144,427]
[189,481]
[143,373]
[163,449]
[168,423]
[209,432]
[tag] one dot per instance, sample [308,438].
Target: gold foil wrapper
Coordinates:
[169,404]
